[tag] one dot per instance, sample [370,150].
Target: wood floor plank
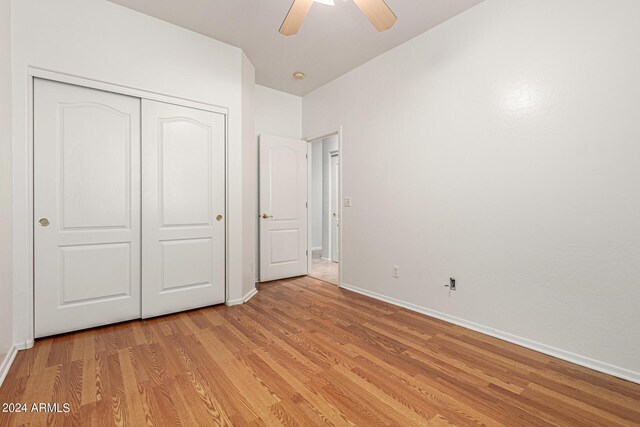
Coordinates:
[41,387]
[303,352]
[317,400]
[135,391]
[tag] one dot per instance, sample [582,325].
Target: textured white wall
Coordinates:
[6,291]
[280,114]
[107,42]
[502,148]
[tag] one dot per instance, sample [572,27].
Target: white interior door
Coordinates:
[183,235]
[86,207]
[335,207]
[283,207]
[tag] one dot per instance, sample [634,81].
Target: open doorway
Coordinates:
[324,215]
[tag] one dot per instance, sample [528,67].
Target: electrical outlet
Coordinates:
[396,271]
[347,202]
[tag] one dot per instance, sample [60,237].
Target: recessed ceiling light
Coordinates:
[329,2]
[298,75]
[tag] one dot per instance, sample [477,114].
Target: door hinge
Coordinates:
[306,156]
[307,252]
[306,204]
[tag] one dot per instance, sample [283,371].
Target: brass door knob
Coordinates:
[265,216]
[44,222]
[219,218]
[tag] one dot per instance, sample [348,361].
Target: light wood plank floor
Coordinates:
[303,352]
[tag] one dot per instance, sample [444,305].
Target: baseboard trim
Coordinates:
[587,362]
[24,345]
[253,292]
[7,362]
[244,299]
[319,248]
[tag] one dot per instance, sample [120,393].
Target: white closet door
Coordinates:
[86,207]
[183,235]
[283,207]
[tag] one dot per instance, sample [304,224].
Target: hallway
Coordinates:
[323,269]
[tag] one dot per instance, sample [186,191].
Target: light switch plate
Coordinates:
[347,202]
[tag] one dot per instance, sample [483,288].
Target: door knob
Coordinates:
[265,216]
[219,218]
[44,222]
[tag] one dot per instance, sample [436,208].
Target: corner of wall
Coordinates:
[249,176]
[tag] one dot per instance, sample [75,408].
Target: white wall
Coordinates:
[277,113]
[316,194]
[103,41]
[249,177]
[329,144]
[6,292]
[502,148]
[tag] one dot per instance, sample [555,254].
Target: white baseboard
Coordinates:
[319,248]
[24,345]
[524,342]
[5,365]
[326,259]
[253,292]
[244,299]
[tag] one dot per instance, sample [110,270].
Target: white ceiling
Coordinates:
[333,39]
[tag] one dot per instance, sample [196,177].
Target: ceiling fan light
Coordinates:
[327,2]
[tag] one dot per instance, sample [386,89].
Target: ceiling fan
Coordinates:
[379,14]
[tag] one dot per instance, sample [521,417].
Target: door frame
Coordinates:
[39,73]
[332,198]
[330,132]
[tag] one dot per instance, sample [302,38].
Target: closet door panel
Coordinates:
[183,260]
[86,207]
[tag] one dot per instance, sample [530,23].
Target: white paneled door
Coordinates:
[129,205]
[86,207]
[183,208]
[283,207]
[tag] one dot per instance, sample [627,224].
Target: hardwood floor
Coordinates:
[303,352]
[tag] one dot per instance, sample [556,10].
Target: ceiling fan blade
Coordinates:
[378,13]
[294,18]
